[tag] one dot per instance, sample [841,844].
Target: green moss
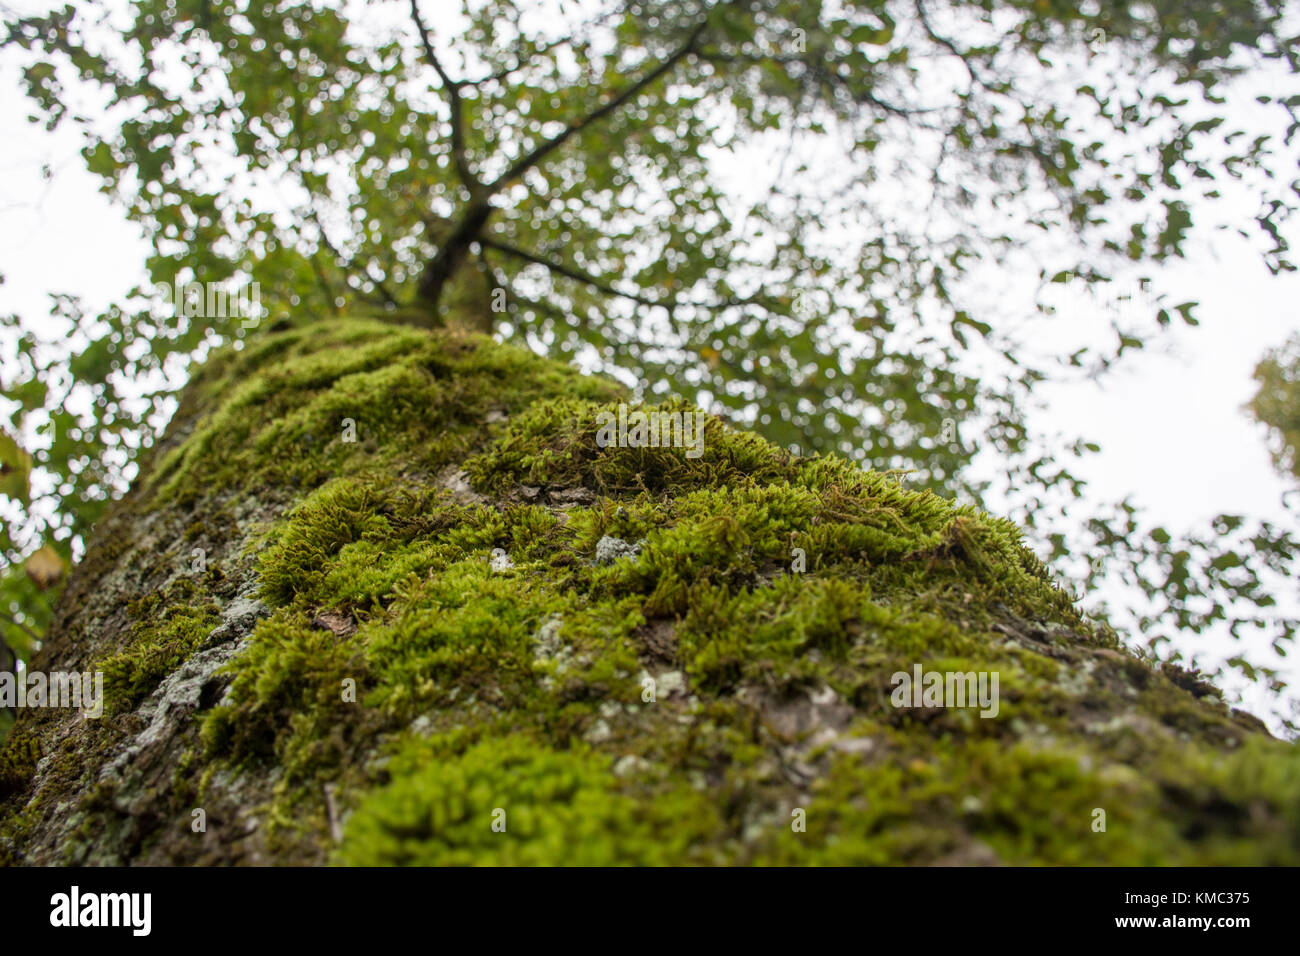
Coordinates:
[555,444]
[292,684]
[972,801]
[18,755]
[70,764]
[352,396]
[316,532]
[514,802]
[166,631]
[436,654]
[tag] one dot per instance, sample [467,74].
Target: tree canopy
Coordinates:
[779,209]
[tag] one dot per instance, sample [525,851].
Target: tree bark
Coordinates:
[384,595]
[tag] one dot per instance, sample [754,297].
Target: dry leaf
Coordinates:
[45,568]
[335,623]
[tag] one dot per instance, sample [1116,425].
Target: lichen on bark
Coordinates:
[474,614]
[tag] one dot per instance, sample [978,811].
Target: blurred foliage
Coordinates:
[335,153]
[1277,403]
[1226,576]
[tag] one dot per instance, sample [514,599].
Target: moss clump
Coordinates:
[18,755]
[554,443]
[646,657]
[341,515]
[515,802]
[340,397]
[292,690]
[167,629]
[977,801]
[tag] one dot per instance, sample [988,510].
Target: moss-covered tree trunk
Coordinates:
[381,596]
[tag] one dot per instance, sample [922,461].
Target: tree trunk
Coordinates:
[384,595]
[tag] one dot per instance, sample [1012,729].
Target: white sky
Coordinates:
[1171,425]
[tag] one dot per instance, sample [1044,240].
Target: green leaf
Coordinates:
[15,469]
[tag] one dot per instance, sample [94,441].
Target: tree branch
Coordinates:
[543,150]
[519,63]
[522,59]
[453,101]
[479,209]
[817,71]
[950,46]
[349,264]
[571,273]
[758,299]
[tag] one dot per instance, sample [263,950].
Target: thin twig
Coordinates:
[543,150]
[453,101]
[21,626]
[571,273]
